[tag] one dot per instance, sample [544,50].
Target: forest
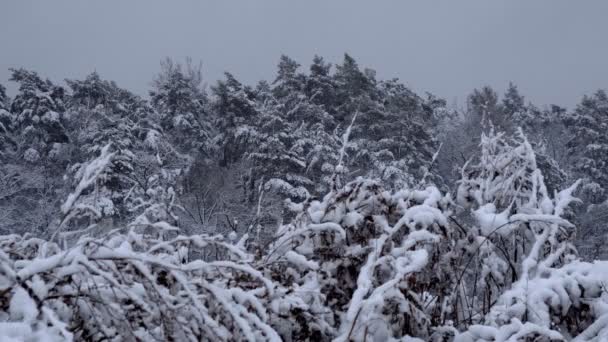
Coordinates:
[324,204]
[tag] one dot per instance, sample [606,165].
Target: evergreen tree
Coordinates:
[484,108]
[179,98]
[291,148]
[352,82]
[273,151]
[512,101]
[288,81]
[6,120]
[38,108]
[31,163]
[91,92]
[234,106]
[546,134]
[352,87]
[587,158]
[589,143]
[320,86]
[102,114]
[4,100]
[392,135]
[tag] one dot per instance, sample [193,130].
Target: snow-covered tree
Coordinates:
[513,102]
[589,143]
[587,147]
[101,113]
[4,100]
[32,129]
[393,135]
[179,97]
[38,114]
[320,86]
[484,108]
[351,81]
[91,92]
[288,81]
[234,106]
[5,121]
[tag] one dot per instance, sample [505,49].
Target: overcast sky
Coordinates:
[554,50]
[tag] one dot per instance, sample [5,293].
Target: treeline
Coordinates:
[234,149]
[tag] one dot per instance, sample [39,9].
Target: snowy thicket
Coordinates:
[324,205]
[144,281]
[495,263]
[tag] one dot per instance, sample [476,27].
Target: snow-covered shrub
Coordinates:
[528,284]
[130,286]
[355,260]
[140,282]
[370,264]
[513,217]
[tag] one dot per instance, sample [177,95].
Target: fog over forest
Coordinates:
[322,201]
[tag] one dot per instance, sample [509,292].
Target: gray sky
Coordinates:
[554,50]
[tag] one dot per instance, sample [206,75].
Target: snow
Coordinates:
[15,331]
[300,261]
[88,177]
[51,117]
[22,306]
[31,155]
[284,187]
[490,222]
[152,140]
[424,215]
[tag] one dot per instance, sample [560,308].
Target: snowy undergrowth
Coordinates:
[492,263]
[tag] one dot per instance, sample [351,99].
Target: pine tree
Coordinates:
[391,136]
[587,149]
[320,86]
[484,108]
[6,120]
[589,144]
[233,106]
[91,92]
[288,81]
[4,100]
[31,163]
[296,143]
[512,101]
[38,108]
[179,98]
[351,81]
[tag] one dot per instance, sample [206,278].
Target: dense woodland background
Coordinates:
[322,204]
